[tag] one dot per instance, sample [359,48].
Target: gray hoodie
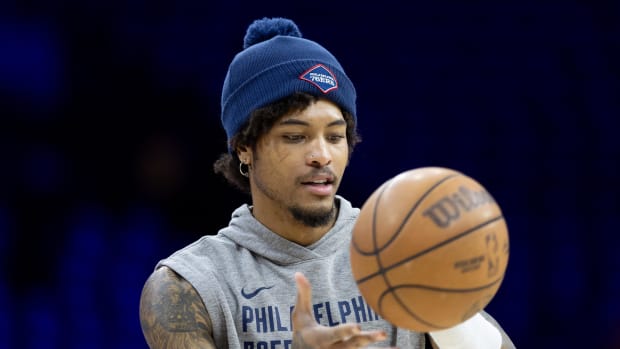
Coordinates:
[245,277]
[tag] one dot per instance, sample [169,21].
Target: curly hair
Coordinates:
[260,122]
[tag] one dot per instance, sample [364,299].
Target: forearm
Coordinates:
[480,331]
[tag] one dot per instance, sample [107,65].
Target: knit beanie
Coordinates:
[276,62]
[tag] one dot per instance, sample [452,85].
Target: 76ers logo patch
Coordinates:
[320,77]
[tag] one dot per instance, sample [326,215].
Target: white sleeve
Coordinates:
[474,333]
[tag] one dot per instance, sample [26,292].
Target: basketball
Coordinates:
[429,249]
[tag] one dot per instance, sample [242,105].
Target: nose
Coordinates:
[318,154]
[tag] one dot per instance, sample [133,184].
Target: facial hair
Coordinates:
[313,218]
[310,217]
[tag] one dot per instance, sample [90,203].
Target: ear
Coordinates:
[244,154]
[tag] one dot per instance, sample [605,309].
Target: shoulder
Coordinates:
[172,314]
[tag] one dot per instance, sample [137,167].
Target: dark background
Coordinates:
[110,125]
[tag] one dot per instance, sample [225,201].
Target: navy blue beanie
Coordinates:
[275,63]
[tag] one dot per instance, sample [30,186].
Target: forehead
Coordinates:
[320,112]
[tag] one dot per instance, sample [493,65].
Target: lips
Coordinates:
[319,184]
[319,180]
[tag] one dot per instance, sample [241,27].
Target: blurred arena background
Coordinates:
[109,126]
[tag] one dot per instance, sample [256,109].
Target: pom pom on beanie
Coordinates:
[276,61]
[265,29]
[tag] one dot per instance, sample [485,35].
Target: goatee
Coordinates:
[314,218]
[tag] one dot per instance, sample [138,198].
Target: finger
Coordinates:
[302,313]
[352,335]
[344,331]
[362,339]
[304,293]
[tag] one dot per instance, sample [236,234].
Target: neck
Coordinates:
[283,223]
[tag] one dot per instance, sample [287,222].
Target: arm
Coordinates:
[172,314]
[481,330]
[506,341]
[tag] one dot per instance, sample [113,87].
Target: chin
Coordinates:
[315,215]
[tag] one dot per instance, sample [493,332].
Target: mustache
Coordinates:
[323,172]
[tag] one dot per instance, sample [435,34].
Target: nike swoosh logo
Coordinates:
[253,294]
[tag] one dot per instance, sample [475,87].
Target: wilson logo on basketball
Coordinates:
[449,208]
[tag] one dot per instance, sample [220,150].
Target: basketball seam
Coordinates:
[376,251]
[450,290]
[400,228]
[430,249]
[405,219]
[418,317]
[411,211]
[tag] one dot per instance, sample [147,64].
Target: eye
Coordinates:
[293,138]
[336,138]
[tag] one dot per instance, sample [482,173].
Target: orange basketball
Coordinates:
[429,249]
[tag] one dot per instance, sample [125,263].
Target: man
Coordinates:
[289,113]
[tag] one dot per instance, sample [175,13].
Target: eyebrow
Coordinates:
[291,121]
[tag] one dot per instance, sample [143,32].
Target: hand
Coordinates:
[307,333]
